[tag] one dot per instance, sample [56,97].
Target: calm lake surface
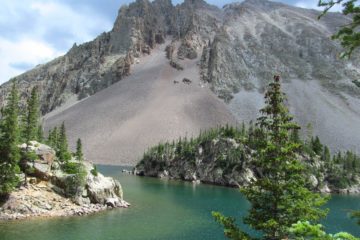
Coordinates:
[161,210]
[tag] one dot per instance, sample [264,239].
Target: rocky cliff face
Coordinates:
[261,38]
[236,49]
[93,66]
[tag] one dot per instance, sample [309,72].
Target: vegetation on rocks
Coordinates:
[25,163]
[227,155]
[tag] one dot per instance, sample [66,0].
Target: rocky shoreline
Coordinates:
[227,161]
[39,200]
[164,175]
[52,192]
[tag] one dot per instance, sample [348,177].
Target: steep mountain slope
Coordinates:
[234,51]
[119,123]
[262,38]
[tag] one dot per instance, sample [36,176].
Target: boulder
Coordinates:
[100,188]
[112,202]
[313,181]
[176,65]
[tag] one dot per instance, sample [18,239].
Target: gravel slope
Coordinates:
[119,123]
[335,118]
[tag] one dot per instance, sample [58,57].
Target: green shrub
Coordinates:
[71,167]
[29,156]
[94,171]
[77,180]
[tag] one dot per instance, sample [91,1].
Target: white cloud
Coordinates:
[81,25]
[27,51]
[37,32]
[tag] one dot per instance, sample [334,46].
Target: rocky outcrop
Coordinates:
[40,200]
[50,191]
[259,38]
[223,157]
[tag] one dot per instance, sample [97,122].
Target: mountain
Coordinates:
[166,71]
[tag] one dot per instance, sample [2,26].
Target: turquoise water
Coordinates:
[161,210]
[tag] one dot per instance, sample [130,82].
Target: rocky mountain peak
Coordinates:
[196,3]
[260,2]
[259,5]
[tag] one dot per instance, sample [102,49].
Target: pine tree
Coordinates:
[32,117]
[349,34]
[9,140]
[79,154]
[316,145]
[40,134]
[278,197]
[63,153]
[295,136]
[53,138]
[326,156]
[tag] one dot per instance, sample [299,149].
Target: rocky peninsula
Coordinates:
[225,156]
[53,188]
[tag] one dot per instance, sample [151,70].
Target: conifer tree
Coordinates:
[40,133]
[326,156]
[295,136]
[79,154]
[32,117]
[9,140]
[316,145]
[63,153]
[53,138]
[278,197]
[349,34]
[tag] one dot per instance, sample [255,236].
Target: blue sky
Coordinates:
[36,31]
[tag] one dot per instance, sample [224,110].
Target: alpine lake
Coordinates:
[163,209]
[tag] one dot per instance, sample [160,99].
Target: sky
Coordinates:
[33,32]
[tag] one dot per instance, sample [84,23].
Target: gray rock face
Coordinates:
[261,38]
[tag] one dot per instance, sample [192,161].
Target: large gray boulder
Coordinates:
[42,165]
[104,190]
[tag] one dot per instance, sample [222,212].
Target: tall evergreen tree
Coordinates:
[63,153]
[278,197]
[40,133]
[79,153]
[316,145]
[326,156]
[32,117]
[53,138]
[9,140]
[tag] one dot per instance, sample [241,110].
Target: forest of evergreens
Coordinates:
[21,125]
